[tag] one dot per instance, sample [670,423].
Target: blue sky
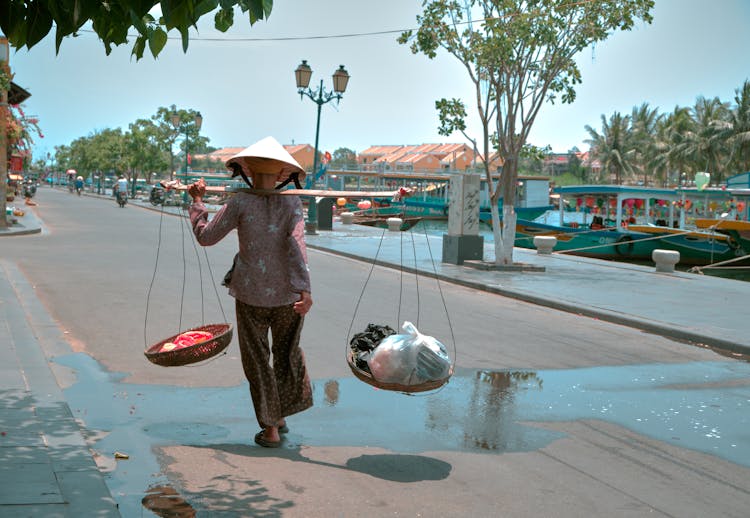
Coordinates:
[245,90]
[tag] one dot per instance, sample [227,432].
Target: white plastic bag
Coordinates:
[409,359]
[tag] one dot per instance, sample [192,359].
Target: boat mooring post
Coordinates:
[463,242]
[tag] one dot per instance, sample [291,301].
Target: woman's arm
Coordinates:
[299,273]
[209,233]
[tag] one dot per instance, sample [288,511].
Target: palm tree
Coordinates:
[735,130]
[671,135]
[703,145]
[643,124]
[612,147]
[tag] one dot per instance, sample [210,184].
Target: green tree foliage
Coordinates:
[614,146]
[735,131]
[711,136]
[519,56]
[703,145]
[643,121]
[27,22]
[343,158]
[144,151]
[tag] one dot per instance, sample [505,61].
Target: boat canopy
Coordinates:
[717,200]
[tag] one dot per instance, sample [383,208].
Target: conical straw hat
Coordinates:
[267,148]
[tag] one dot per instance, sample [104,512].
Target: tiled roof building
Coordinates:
[423,157]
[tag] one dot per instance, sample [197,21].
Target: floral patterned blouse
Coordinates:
[271,269]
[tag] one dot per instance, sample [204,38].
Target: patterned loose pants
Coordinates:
[280,386]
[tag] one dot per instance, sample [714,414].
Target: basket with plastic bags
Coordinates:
[410,362]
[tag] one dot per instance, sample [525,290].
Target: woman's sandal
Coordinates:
[262,441]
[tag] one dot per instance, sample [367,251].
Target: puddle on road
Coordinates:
[702,406]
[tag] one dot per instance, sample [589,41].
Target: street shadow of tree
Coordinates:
[404,468]
[232,493]
[229,496]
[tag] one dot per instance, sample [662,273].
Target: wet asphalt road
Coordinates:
[549,413]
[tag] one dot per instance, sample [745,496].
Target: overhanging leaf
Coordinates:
[156,41]
[38,25]
[224,19]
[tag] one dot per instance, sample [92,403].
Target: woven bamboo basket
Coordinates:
[195,353]
[396,387]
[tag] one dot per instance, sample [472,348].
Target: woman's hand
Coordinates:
[303,305]
[197,190]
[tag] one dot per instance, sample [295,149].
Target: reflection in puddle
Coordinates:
[703,406]
[331,391]
[165,502]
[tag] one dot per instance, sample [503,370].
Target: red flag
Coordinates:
[326,157]
[190,159]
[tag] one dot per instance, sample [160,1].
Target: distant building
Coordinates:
[401,158]
[424,157]
[556,164]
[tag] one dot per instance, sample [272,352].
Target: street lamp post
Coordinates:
[302,74]
[181,127]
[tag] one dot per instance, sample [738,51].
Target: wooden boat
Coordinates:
[618,222]
[695,247]
[737,230]
[602,243]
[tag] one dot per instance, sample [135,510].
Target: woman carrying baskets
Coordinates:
[270,281]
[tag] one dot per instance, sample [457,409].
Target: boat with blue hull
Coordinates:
[621,222]
[602,243]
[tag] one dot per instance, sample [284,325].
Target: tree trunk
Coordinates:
[507,185]
[3,158]
[509,232]
[497,229]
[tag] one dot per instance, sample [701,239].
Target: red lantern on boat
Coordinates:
[364,204]
[579,202]
[629,202]
[741,206]
[638,204]
[613,202]
[589,202]
[688,204]
[341,202]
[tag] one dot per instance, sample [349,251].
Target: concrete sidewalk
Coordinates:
[46,467]
[29,223]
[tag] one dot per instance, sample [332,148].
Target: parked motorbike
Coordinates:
[29,190]
[122,199]
[157,196]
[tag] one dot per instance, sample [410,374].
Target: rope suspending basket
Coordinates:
[410,362]
[195,344]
